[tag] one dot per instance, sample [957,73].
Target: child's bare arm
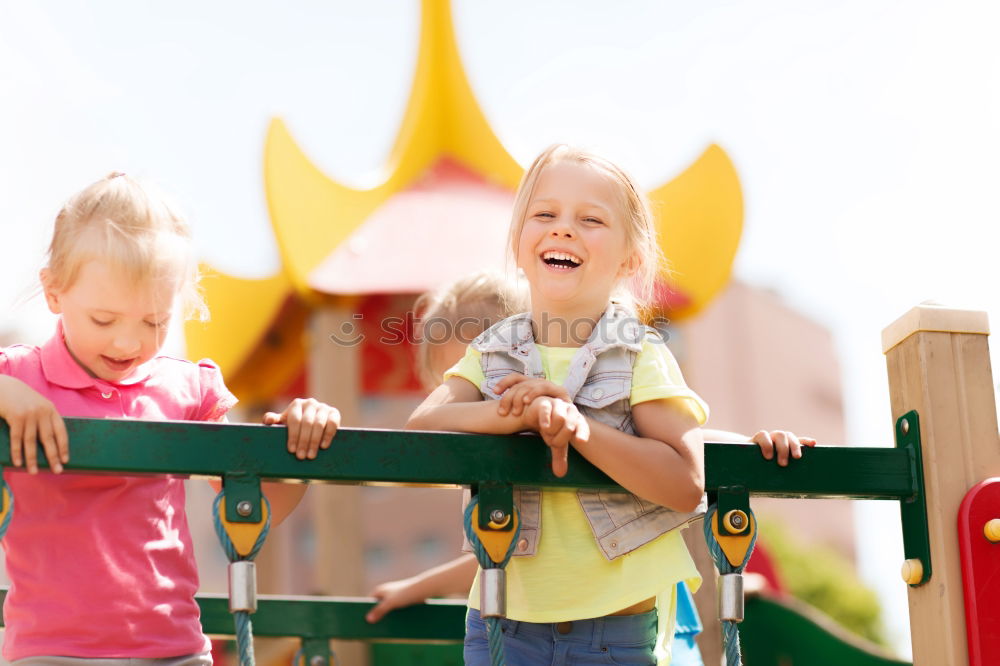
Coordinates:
[282,497]
[458,406]
[454,577]
[311,426]
[665,464]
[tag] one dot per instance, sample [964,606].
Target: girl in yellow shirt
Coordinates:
[579,371]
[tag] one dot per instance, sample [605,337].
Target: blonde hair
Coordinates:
[134,229]
[640,232]
[467,307]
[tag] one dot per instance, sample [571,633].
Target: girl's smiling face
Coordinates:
[112,325]
[573,247]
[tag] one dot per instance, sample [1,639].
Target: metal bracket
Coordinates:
[913,510]
[496,500]
[243,497]
[316,652]
[729,499]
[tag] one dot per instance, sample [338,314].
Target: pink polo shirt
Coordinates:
[103,566]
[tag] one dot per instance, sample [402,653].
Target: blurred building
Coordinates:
[761,365]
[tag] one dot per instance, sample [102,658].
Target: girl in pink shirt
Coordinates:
[102,567]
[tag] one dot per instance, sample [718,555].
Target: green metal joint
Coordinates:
[316,652]
[913,509]
[243,497]
[732,498]
[496,504]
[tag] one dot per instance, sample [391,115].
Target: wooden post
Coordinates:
[334,376]
[939,364]
[710,639]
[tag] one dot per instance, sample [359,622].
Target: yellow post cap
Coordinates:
[912,571]
[991,530]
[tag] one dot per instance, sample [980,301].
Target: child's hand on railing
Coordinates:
[32,420]
[783,443]
[558,422]
[311,426]
[394,594]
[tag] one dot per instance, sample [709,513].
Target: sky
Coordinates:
[865,134]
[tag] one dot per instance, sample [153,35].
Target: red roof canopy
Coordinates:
[450,223]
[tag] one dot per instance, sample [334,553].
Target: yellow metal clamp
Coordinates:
[243,535]
[6,503]
[495,541]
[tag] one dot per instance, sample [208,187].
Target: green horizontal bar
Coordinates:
[333,617]
[342,618]
[426,458]
[823,471]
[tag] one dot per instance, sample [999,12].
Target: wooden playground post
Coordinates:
[334,372]
[939,365]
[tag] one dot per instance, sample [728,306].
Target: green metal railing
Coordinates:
[244,455]
[328,618]
[360,456]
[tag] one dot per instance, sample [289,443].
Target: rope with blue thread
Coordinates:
[244,627]
[494,632]
[730,632]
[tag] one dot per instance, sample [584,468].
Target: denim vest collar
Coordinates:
[617,327]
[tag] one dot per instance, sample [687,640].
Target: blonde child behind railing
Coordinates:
[448,319]
[102,567]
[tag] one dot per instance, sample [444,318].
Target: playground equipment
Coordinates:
[243,455]
[783,631]
[946,429]
[446,186]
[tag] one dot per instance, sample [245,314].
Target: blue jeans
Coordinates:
[614,639]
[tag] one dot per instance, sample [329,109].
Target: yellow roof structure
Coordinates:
[255,334]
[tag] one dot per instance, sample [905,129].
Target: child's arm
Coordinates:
[311,427]
[454,577]
[665,464]
[457,405]
[32,419]
[784,443]
[449,407]
[283,497]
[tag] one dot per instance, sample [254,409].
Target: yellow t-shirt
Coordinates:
[569,578]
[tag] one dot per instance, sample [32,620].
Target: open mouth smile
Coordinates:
[561,260]
[118,364]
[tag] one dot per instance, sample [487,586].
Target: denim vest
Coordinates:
[599,383]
